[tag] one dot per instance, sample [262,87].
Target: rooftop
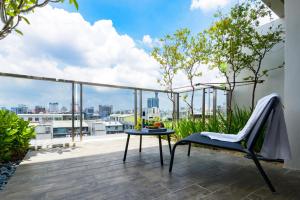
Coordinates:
[67,124]
[95,170]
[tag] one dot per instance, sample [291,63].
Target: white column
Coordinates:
[292,79]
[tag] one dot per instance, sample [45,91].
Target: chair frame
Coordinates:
[251,140]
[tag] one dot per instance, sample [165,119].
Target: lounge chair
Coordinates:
[250,138]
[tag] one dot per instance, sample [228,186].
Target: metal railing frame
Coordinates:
[137,91]
[206,90]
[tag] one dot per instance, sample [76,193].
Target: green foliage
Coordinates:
[185,127]
[138,126]
[184,52]
[15,135]
[193,52]
[237,40]
[168,57]
[240,116]
[14,11]
[257,43]
[239,119]
[227,52]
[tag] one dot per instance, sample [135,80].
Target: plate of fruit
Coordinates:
[156,127]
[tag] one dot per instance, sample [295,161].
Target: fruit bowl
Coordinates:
[152,127]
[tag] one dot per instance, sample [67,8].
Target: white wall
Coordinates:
[292,79]
[273,83]
[285,82]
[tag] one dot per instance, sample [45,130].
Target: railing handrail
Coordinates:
[135,92]
[42,78]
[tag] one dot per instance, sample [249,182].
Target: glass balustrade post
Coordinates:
[141,105]
[135,107]
[176,106]
[228,96]
[73,111]
[203,105]
[214,103]
[81,118]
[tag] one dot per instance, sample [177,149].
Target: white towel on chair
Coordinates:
[261,105]
[276,143]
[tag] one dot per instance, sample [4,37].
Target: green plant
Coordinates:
[238,43]
[15,135]
[14,11]
[138,125]
[185,52]
[240,116]
[193,53]
[168,57]
[257,42]
[185,127]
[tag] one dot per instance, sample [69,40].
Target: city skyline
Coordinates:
[148,97]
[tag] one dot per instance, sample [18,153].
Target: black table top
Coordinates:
[137,132]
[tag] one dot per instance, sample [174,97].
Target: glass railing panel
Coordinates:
[221,101]
[106,111]
[185,102]
[156,106]
[45,104]
[209,102]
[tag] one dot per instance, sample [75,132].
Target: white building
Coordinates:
[46,117]
[99,127]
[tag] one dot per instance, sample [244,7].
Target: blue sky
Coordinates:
[146,17]
[104,41]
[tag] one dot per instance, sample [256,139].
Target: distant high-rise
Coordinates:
[89,112]
[105,111]
[21,109]
[53,107]
[64,109]
[153,102]
[39,109]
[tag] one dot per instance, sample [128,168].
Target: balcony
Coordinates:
[78,156]
[95,170]
[93,110]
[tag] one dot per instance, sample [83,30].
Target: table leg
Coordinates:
[169,141]
[126,148]
[160,151]
[140,143]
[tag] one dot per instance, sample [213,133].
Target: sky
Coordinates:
[105,41]
[150,17]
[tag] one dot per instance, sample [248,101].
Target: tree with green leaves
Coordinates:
[193,52]
[237,44]
[226,50]
[167,56]
[12,12]
[258,42]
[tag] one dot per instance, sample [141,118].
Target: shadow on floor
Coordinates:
[207,174]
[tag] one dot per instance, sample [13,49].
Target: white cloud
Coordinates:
[207,5]
[60,44]
[147,40]
[63,45]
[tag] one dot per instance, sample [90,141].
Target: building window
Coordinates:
[30,119]
[36,119]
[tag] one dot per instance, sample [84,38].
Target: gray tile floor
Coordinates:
[95,170]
